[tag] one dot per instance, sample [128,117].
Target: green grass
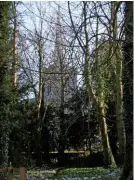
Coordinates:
[76,174]
[90,173]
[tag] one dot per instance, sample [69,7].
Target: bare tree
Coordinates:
[98,101]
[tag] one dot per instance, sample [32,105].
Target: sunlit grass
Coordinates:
[89,173]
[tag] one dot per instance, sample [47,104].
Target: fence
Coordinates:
[8,173]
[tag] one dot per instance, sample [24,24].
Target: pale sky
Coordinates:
[31,20]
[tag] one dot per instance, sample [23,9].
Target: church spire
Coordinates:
[59,38]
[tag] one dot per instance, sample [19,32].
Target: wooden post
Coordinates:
[3,170]
[10,173]
[22,173]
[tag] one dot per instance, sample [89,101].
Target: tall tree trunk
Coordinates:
[89,129]
[15,49]
[61,68]
[119,104]
[41,109]
[4,148]
[62,139]
[128,91]
[118,78]
[39,44]
[4,103]
[108,156]
[97,69]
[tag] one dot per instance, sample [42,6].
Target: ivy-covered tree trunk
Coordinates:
[117,57]
[15,48]
[4,143]
[4,83]
[100,104]
[41,81]
[128,91]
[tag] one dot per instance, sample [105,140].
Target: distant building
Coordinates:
[60,79]
[58,84]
